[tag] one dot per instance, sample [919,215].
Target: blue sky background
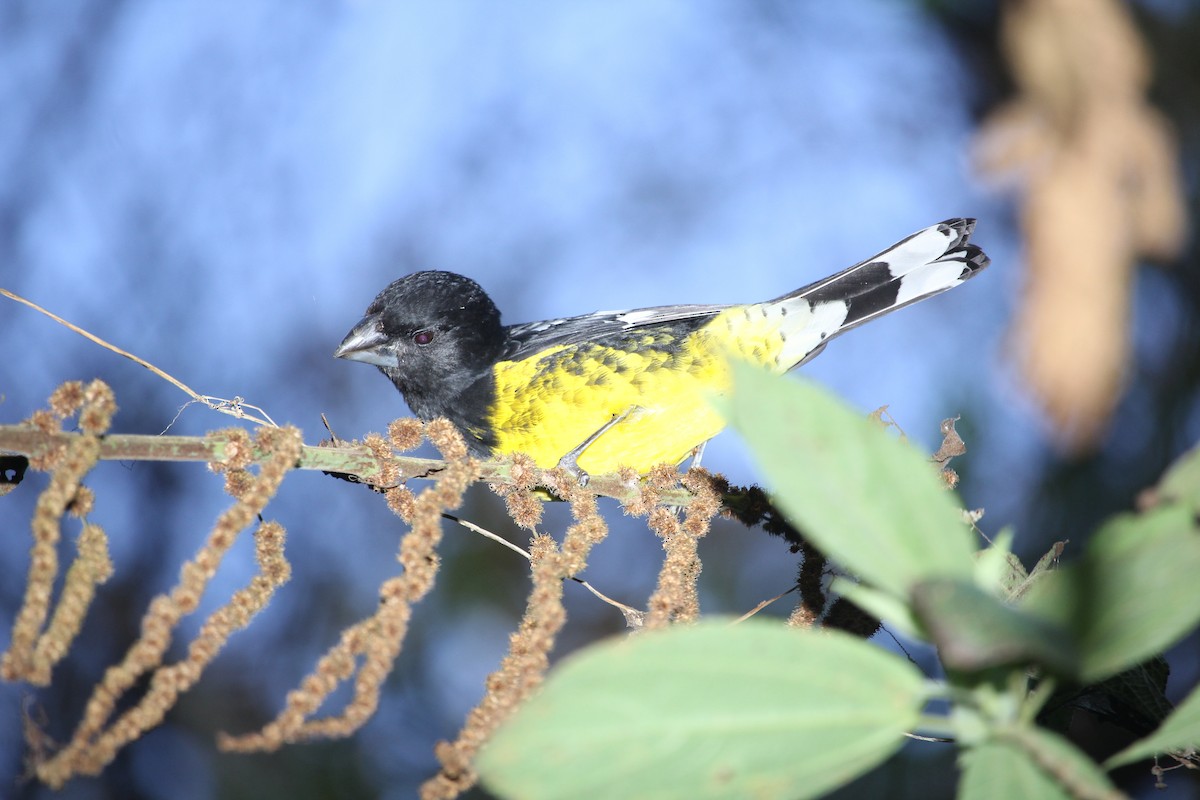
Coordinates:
[222,187]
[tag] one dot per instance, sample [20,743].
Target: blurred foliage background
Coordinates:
[221,188]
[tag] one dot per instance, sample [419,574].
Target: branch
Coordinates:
[357,460]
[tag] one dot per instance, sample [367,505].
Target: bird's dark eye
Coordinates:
[422,338]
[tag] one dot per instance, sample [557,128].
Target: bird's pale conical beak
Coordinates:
[368,344]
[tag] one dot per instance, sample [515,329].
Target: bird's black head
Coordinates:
[434,334]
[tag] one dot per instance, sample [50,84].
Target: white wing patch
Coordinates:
[805,328]
[918,250]
[927,279]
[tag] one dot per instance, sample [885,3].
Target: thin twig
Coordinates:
[235,407]
[632,615]
[763,605]
[332,435]
[920,738]
[471,526]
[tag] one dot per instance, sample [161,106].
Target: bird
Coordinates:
[623,389]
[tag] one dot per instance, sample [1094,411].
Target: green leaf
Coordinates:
[1046,565]
[997,568]
[869,502]
[975,631]
[1030,762]
[1133,594]
[709,711]
[1181,483]
[999,771]
[1180,731]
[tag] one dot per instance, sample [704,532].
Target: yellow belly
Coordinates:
[550,403]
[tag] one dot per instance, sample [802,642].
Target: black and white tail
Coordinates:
[929,262]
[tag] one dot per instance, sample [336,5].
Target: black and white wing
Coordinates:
[530,337]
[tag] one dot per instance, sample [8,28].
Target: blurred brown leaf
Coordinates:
[1098,169]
